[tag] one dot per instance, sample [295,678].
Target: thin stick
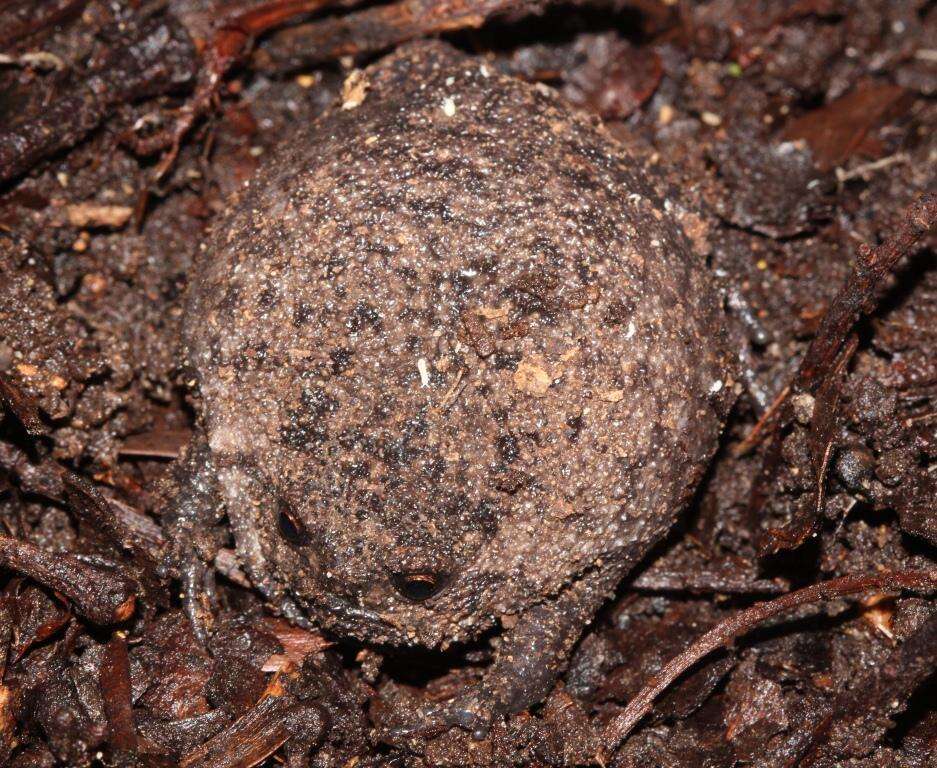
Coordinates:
[767,419]
[857,297]
[744,621]
[231,42]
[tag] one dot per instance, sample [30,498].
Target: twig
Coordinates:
[767,420]
[37,59]
[378,28]
[231,42]
[744,621]
[827,355]
[865,169]
[857,297]
[821,442]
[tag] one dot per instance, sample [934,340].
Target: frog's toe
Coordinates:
[469,715]
[468,712]
[197,594]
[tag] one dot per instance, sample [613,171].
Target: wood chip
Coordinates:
[95,215]
[493,313]
[164,444]
[354,89]
[532,379]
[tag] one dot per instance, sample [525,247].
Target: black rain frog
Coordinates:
[393,331]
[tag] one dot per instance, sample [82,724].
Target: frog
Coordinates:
[456,372]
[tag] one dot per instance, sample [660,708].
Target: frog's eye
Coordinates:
[419,586]
[291,527]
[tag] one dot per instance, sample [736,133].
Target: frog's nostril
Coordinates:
[419,586]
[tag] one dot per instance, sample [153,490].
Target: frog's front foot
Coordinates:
[530,658]
[472,711]
[198,593]
[189,524]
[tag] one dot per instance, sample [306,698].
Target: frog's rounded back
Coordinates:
[467,349]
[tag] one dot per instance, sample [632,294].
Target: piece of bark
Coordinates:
[163,444]
[116,694]
[100,595]
[153,58]
[249,740]
[378,28]
[837,130]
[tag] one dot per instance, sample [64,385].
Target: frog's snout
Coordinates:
[418,586]
[419,571]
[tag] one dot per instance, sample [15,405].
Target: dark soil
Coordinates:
[794,142]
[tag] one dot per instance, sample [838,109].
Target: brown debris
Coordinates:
[476,334]
[36,617]
[836,131]
[98,215]
[857,297]
[166,444]
[22,406]
[297,644]
[828,353]
[380,27]
[154,57]
[532,378]
[99,595]
[859,717]
[615,79]
[824,421]
[177,669]
[232,41]
[722,634]
[722,118]
[248,740]
[116,693]
[19,19]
